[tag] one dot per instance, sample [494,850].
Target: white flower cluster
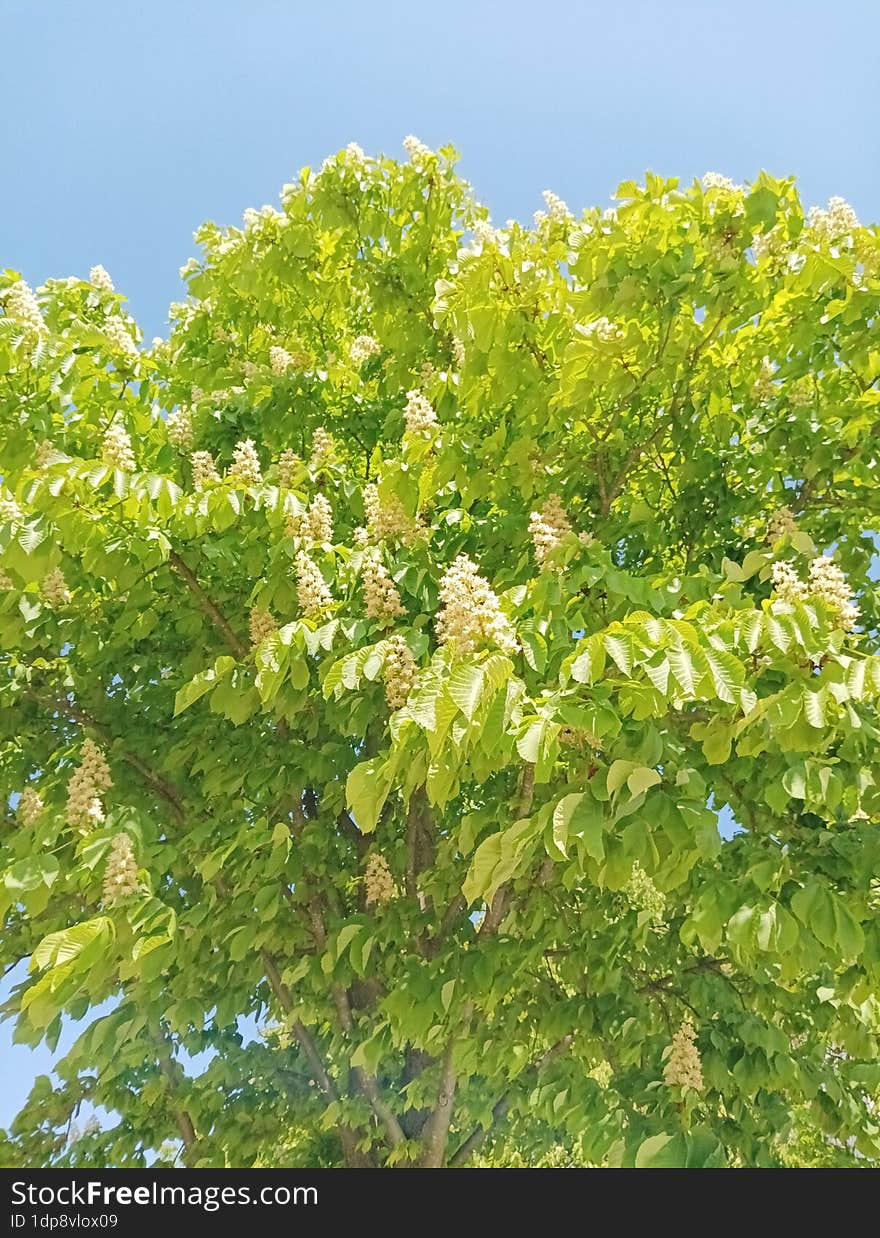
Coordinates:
[417,151]
[120,875]
[313,524]
[84,808]
[781,524]
[838,220]
[30,807]
[764,388]
[787,583]
[387,519]
[46,452]
[470,615]
[296,524]
[288,468]
[602,329]
[100,278]
[380,593]
[180,429]
[548,527]
[116,450]
[484,233]
[203,469]
[312,593]
[800,394]
[354,156]
[378,881]
[262,624]
[252,218]
[245,467]
[683,1066]
[643,895]
[458,354]
[557,211]
[825,582]
[54,588]
[10,512]
[283,362]
[714,180]
[419,414]
[767,245]
[364,347]
[5,580]
[399,674]
[322,447]
[321,520]
[828,583]
[20,302]
[120,337]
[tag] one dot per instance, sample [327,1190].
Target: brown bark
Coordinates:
[218,620]
[436,1133]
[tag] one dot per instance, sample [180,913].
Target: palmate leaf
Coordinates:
[65,945]
[472,686]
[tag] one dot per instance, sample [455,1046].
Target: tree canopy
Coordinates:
[379,649]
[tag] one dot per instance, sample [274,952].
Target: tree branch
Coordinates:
[166,1066]
[477,1137]
[160,785]
[348,1138]
[419,844]
[504,894]
[240,650]
[364,1081]
[436,1132]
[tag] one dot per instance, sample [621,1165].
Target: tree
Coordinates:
[379,649]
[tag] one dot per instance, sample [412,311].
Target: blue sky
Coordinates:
[125,125]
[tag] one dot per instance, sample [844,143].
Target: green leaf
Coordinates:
[620,649]
[828,917]
[618,774]
[202,683]
[31,872]
[680,661]
[761,208]
[661,1152]
[587,824]
[465,686]
[642,779]
[61,947]
[562,815]
[486,859]
[529,744]
[366,791]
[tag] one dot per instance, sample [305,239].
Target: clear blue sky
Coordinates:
[124,124]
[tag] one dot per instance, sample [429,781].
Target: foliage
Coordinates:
[561,462]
